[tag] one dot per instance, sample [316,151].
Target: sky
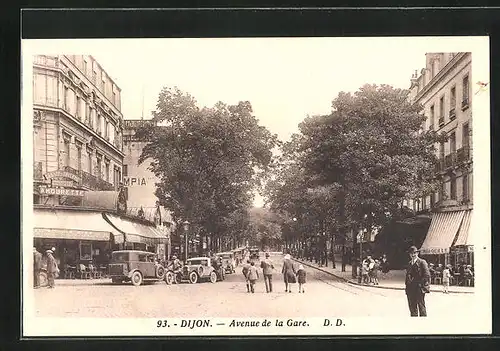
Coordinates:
[285,79]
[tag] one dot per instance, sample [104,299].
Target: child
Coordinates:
[301,275]
[374,272]
[446,279]
[253,275]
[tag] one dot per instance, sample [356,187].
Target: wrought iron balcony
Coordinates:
[441,121]
[465,103]
[453,115]
[463,154]
[91,181]
[450,160]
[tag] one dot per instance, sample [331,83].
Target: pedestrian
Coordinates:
[374,272]
[288,272]
[267,271]
[417,283]
[52,269]
[244,270]
[37,266]
[253,275]
[446,279]
[301,278]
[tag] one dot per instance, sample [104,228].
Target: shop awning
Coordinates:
[463,238]
[73,225]
[136,232]
[442,231]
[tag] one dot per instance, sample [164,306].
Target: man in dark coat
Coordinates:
[52,268]
[37,266]
[417,283]
[267,271]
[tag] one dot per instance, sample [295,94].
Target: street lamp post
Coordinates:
[185,225]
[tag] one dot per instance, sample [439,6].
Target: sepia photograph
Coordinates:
[256,186]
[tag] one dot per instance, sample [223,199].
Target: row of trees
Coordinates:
[209,162]
[353,168]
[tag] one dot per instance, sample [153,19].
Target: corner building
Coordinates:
[443,87]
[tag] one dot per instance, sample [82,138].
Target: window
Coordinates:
[99,167]
[125,170]
[142,257]
[79,155]
[107,171]
[442,191]
[85,251]
[98,123]
[465,135]
[441,107]
[431,119]
[66,151]
[114,98]
[78,108]
[66,98]
[433,199]
[465,91]
[453,98]
[106,129]
[453,142]
[90,162]
[85,66]
[465,188]
[441,150]
[453,188]
[103,86]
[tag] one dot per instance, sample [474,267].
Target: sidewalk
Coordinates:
[391,280]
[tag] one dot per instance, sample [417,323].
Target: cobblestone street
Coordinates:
[324,296]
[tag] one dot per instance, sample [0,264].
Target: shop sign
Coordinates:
[130,181]
[62,174]
[61,191]
[62,183]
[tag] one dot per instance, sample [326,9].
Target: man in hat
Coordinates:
[417,283]
[267,271]
[52,269]
[37,266]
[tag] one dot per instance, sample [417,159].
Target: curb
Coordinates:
[350,281]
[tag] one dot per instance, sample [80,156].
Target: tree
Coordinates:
[208,160]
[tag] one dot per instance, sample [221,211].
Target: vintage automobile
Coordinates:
[135,266]
[228,261]
[254,253]
[200,268]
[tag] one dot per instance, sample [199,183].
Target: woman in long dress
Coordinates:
[288,273]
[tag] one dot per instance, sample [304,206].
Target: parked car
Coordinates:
[135,266]
[254,253]
[200,268]
[228,261]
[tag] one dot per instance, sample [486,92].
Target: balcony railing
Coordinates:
[37,171]
[91,181]
[465,103]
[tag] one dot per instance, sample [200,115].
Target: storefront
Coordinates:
[136,234]
[447,241]
[79,236]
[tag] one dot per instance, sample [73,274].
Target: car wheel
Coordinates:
[169,278]
[193,277]
[213,277]
[136,278]
[116,280]
[160,272]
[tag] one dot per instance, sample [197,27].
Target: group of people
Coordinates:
[52,267]
[370,269]
[290,274]
[462,272]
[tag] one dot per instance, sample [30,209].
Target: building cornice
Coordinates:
[441,74]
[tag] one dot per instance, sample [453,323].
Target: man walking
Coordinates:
[244,270]
[267,271]
[52,268]
[37,266]
[417,283]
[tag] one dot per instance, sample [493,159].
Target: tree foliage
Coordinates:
[208,160]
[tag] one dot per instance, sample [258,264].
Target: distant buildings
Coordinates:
[443,87]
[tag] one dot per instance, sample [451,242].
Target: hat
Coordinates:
[267,254]
[53,249]
[287,257]
[301,266]
[50,251]
[413,249]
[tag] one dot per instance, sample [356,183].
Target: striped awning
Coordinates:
[136,232]
[442,231]
[71,225]
[463,238]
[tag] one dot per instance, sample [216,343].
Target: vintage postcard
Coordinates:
[256,186]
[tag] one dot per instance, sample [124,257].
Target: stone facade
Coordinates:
[78,125]
[444,90]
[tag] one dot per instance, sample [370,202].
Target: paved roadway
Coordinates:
[324,296]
